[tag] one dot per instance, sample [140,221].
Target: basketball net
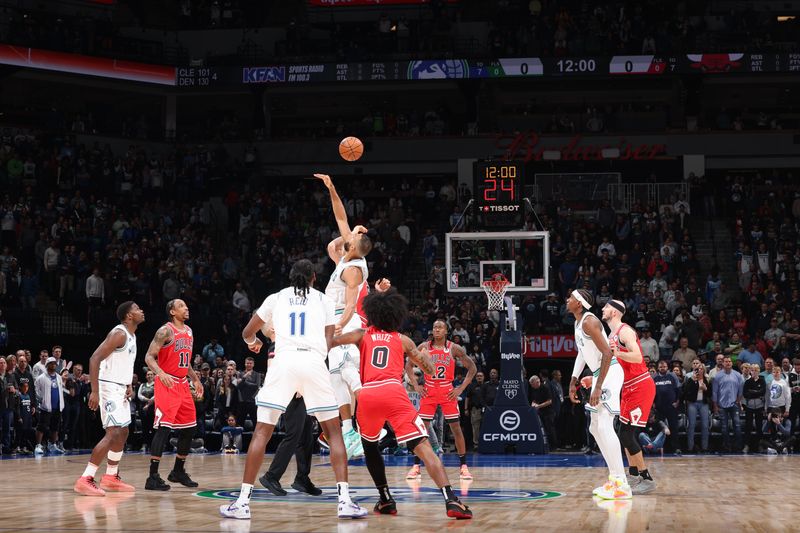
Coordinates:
[495,290]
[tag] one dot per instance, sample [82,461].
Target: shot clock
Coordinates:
[498,187]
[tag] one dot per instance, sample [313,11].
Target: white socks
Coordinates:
[602,428]
[111,470]
[347,426]
[343,488]
[244,494]
[90,471]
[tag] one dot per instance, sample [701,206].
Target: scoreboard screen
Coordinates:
[498,187]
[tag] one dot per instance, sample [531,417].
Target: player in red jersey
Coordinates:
[384,399]
[439,390]
[169,357]
[638,393]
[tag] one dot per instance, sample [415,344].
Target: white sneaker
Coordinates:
[619,490]
[235,510]
[605,487]
[351,510]
[39,450]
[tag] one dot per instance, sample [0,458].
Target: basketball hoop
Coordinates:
[495,290]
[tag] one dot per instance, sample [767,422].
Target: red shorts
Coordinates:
[436,396]
[637,400]
[174,406]
[383,402]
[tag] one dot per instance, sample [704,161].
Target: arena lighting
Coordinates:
[786,18]
[551,155]
[610,153]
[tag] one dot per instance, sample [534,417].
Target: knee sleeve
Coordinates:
[629,439]
[159,441]
[375,464]
[185,440]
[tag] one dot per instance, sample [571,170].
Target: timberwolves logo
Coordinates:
[110,406]
[438,69]
[423,495]
[605,395]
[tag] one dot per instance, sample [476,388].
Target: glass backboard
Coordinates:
[523,257]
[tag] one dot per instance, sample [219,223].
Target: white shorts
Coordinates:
[115,409]
[612,386]
[297,372]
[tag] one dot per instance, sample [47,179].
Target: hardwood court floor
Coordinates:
[509,493]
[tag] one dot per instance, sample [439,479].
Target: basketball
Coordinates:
[351,148]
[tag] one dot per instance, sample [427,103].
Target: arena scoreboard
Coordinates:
[498,196]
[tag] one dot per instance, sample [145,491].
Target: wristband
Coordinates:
[255,339]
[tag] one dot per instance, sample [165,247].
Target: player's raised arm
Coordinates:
[115,339]
[419,357]
[339,211]
[162,337]
[593,328]
[351,337]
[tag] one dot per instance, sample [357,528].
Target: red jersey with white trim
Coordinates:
[382,356]
[630,370]
[444,366]
[362,293]
[174,358]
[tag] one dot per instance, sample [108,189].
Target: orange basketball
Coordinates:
[351,148]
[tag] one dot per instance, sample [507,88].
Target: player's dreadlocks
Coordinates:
[386,310]
[301,277]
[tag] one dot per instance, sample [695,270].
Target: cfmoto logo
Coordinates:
[509,420]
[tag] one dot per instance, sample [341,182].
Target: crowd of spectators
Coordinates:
[513,28]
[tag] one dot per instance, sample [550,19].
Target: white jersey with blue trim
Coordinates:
[299,321]
[118,367]
[587,349]
[337,288]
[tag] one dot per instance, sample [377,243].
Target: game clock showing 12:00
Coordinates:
[498,187]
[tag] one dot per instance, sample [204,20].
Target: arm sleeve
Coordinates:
[578,366]
[265,311]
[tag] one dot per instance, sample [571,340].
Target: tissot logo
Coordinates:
[510,356]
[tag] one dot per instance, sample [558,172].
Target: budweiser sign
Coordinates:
[531,147]
[549,346]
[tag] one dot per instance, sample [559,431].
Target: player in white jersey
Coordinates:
[304,322]
[111,373]
[347,288]
[607,378]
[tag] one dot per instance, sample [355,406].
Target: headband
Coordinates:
[619,306]
[578,296]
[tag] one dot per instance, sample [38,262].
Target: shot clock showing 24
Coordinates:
[498,187]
